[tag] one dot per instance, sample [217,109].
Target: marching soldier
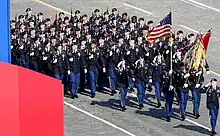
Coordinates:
[114,56]
[123,83]
[213,93]
[83,72]
[74,64]
[158,68]
[196,80]
[183,86]
[132,54]
[168,90]
[93,67]
[140,81]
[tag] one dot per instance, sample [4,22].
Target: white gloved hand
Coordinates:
[104,70]
[207,72]
[85,71]
[44,58]
[147,54]
[170,72]
[110,53]
[32,54]
[12,47]
[186,75]
[128,52]
[71,59]
[21,47]
[197,86]
[167,52]
[171,87]
[133,79]
[150,81]
[185,85]
[68,72]
[91,56]
[55,61]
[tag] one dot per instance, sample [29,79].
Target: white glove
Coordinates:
[12,47]
[197,86]
[167,52]
[110,54]
[133,79]
[128,52]
[186,75]
[85,71]
[171,87]
[170,72]
[21,47]
[150,81]
[147,54]
[55,61]
[185,85]
[68,72]
[71,59]
[91,56]
[44,58]
[32,54]
[200,72]
[104,70]
[207,72]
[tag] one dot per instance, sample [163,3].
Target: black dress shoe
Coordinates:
[72,97]
[168,119]
[113,93]
[123,109]
[76,96]
[197,116]
[93,95]
[183,117]
[159,105]
[214,133]
[140,107]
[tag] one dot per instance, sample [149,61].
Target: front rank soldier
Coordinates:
[93,66]
[213,93]
[158,68]
[168,90]
[140,81]
[74,64]
[183,86]
[123,83]
[196,80]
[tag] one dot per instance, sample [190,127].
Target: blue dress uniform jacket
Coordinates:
[212,96]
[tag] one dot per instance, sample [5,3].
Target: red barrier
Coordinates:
[31,104]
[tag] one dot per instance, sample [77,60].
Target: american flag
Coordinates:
[163,29]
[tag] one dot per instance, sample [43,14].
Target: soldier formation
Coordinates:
[109,49]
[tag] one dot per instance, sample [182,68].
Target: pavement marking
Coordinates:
[189,28]
[197,124]
[139,9]
[51,6]
[215,73]
[201,4]
[100,119]
[186,1]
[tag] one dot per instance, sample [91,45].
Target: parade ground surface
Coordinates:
[101,116]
